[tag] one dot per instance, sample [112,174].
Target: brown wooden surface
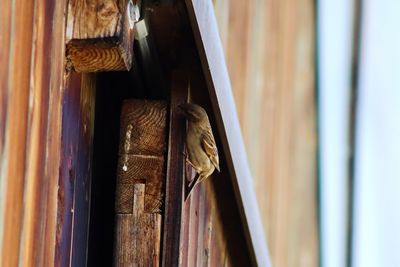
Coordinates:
[146,231]
[31,73]
[140,183]
[272,73]
[142,153]
[137,234]
[203,238]
[175,172]
[123,248]
[100,35]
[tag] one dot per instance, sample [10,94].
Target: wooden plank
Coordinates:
[37,184]
[75,173]
[191,249]
[175,173]
[207,248]
[99,34]
[123,248]
[210,237]
[32,42]
[53,147]
[200,231]
[137,228]
[205,31]
[184,256]
[13,160]
[145,231]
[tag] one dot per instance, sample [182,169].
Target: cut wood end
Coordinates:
[98,55]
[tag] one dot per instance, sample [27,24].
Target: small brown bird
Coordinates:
[200,144]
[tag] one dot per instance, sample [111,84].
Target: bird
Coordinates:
[202,152]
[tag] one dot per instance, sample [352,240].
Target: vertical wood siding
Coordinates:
[31,75]
[269,48]
[36,117]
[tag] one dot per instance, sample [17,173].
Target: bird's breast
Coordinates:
[196,153]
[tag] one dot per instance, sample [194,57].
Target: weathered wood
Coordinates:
[140,182]
[143,125]
[191,248]
[175,172]
[144,229]
[31,83]
[75,172]
[99,34]
[123,249]
[142,151]
[206,238]
[137,234]
[14,137]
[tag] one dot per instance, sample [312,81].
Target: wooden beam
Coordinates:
[99,34]
[140,183]
[208,44]
[175,172]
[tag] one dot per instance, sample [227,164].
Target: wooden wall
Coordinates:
[46,132]
[269,48]
[211,233]
[31,77]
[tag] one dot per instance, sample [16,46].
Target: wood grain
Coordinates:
[15,130]
[147,123]
[137,234]
[175,172]
[140,182]
[272,73]
[31,75]
[208,239]
[124,248]
[100,35]
[142,153]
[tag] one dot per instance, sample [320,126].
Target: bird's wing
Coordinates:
[208,144]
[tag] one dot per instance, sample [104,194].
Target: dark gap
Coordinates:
[112,89]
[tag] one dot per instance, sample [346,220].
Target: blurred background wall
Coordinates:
[270,52]
[317,88]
